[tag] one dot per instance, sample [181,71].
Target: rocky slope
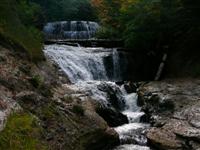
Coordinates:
[173,108]
[62,119]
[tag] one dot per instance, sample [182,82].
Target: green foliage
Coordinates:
[14,33]
[30,13]
[21,133]
[141,31]
[107,33]
[36,81]
[149,24]
[55,10]
[78,109]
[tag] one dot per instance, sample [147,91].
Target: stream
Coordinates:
[89,71]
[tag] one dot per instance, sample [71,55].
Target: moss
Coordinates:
[21,133]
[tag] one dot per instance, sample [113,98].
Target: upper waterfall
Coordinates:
[86,64]
[70,30]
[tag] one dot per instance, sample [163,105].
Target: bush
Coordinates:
[21,133]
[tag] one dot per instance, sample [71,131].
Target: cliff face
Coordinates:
[33,97]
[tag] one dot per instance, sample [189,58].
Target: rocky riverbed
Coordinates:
[173,109]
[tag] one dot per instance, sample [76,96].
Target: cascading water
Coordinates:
[92,71]
[116,66]
[134,131]
[83,64]
[70,30]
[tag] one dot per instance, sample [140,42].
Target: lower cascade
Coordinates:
[94,72]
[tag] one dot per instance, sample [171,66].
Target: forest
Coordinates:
[99,75]
[144,25]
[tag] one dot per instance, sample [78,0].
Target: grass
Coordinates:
[21,133]
[14,33]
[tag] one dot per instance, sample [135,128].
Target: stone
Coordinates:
[191,114]
[163,139]
[113,117]
[130,87]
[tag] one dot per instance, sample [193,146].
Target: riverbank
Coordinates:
[172,107]
[37,107]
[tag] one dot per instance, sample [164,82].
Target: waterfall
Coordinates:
[83,64]
[70,30]
[92,72]
[116,65]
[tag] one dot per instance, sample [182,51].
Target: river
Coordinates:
[93,71]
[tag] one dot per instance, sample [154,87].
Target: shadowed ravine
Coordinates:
[89,71]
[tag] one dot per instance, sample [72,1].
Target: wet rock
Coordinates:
[173,108]
[100,139]
[114,95]
[131,87]
[113,117]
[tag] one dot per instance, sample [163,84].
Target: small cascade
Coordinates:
[70,30]
[132,135]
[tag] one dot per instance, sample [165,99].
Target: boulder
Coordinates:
[112,116]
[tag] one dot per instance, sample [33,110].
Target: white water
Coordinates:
[134,132]
[116,65]
[70,30]
[98,90]
[86,69]
[82,64]
[132,147]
